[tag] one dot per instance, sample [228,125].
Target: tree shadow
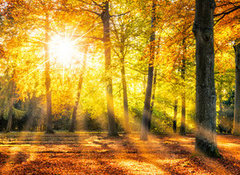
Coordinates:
[98,154]
[3,159]
[230,163]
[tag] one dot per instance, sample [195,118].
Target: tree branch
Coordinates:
[228,3]
[85,2]
[227,12]
[87,10]
[97,4]
[120,14]
[94,3]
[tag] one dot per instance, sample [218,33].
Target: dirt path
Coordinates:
[36,153]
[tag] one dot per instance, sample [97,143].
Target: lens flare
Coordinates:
[63,50]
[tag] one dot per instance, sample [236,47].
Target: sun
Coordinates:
[63,50]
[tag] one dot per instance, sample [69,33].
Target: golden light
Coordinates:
[63,50]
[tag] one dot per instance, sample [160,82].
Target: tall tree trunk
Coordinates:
[105,16]
[205,87]
[183,71]
[220,113]
[220,96]
[175,116]
[144,83]
[125,97]
[153,98]
[30,108]
[220,104]
[236,122]
[154,84]
[49,128]
[10,117]
[72,127]
[10,107]
[147,111]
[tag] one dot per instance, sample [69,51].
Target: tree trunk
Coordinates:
[10,116]
[10,107]
[10,119]
[205,87]
[236,122]
[175,116]
[220,113]
[153,97]
[154,84]
[144,83]
[72,127]
[49,128]
[125,97]
[183,117]
[147,111]
[30,108]
[105,16]
[183,71]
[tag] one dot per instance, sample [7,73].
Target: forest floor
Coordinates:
[95,153]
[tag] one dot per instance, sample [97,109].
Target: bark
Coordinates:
[105,16]
[220,104]
[144,83]
[10,119]
[125,97]
[183,117]
[10,99]
[175,116]
[220,113]
[49,127]
[73,123]
[183,71]
[236,122]
[30,108]
[154,85]
[205,87]
[147,110]
[153,97]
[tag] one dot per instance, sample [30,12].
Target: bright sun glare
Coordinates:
[63,50]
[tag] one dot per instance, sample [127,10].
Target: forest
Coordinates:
[115,86]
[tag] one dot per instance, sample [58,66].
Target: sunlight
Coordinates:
[63,50]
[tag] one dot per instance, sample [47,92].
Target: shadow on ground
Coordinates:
[86,153]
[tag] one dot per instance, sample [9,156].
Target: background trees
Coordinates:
[125,39]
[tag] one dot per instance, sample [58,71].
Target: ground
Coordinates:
[95,153]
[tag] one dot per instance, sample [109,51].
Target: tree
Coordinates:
[183,72]
[8,22]
[236,122]
[49,127]
[147,102]
[205,87]
[72,127]
[123,31]
[10,105]
[175,116]
[121,38]
[179,44]
[153,97]
[105,16]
